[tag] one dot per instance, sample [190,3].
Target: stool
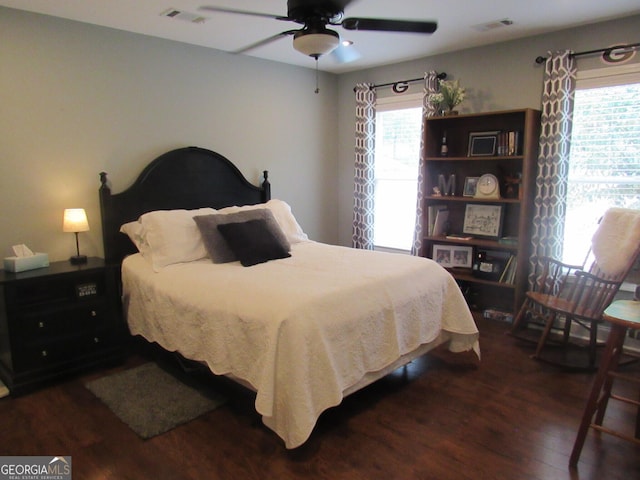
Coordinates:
[622,315]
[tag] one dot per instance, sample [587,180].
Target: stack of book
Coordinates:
[509,272]
[509,143]
[496,314]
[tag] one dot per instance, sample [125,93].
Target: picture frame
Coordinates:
[483,220]
[483,144]
[470,184]
[453,256]
[443,255]
[462,256]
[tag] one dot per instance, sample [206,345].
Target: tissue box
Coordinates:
[20,264]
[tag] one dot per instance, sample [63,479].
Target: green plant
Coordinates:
[451,94]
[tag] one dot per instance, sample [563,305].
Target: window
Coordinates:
[397,155]
[604,159]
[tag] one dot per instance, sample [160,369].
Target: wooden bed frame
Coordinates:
[186,178]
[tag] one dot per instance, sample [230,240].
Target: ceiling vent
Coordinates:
[485,27]
[184,16]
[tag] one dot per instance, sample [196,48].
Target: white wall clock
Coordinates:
[487,187]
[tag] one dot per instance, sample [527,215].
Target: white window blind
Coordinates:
[398,127]
[604,167]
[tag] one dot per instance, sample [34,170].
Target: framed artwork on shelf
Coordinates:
[483,144]
[483,220]
[470,184]
[453,256]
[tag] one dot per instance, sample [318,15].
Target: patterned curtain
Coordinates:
[363,208]
[553,159]
[428,110]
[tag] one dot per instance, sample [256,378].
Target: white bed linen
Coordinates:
[302,330]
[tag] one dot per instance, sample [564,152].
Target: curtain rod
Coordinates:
[607,50]
[402,86]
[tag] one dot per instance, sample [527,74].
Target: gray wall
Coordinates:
[77,99]
[498,77]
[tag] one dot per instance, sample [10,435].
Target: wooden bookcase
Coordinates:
[517,204]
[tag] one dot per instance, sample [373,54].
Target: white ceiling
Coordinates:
[457,24]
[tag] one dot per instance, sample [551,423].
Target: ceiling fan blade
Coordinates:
[266,41]
[388,25]
[244,12]
[342,3]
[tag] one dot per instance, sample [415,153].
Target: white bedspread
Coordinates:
[300,330]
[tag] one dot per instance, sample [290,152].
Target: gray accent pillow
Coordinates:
[253,242]
[217,246]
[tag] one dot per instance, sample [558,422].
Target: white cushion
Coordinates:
[172,236]
[283,215]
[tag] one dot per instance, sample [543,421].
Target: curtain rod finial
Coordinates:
[541,60]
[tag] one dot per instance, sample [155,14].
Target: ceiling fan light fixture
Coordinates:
[316,43]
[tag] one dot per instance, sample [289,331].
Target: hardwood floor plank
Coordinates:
[509,417]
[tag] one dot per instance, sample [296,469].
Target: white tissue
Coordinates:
[22,251]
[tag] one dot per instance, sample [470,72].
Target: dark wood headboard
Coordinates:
[185,178]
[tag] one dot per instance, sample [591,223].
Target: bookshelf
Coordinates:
[502,144]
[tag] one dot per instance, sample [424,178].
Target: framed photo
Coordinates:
[470,184]
[462,257]
[453,256]
[443,255]
[483,143]
[483,220]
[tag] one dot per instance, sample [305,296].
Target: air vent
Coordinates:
[184,16]
[485,27]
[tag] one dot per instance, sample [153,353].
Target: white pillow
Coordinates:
[283,215]
[288,223]
[136,234]
[172,236]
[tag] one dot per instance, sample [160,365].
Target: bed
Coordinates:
[303,327]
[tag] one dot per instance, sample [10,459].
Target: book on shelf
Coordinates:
[441,223]
[497,314]
[432,212]
[509,273]
[509,143]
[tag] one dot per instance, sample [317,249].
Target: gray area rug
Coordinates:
[152,401]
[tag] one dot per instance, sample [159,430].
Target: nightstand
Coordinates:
[58,320]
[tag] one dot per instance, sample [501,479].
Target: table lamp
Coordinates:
[75,221]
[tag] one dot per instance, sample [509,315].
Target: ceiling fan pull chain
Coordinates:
[317,90]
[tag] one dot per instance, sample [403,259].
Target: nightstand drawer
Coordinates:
[76,289]
[35,323]
[45,354]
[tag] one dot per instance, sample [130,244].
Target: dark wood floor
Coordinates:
[509,418]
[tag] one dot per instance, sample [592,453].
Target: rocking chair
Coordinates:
[564,295]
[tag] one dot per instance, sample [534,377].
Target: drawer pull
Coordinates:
[96,340]
[94,313]
[44,353]
[40,324]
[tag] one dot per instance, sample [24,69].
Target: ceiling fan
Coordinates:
[314,38]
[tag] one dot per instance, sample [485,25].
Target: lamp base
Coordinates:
[78,259]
